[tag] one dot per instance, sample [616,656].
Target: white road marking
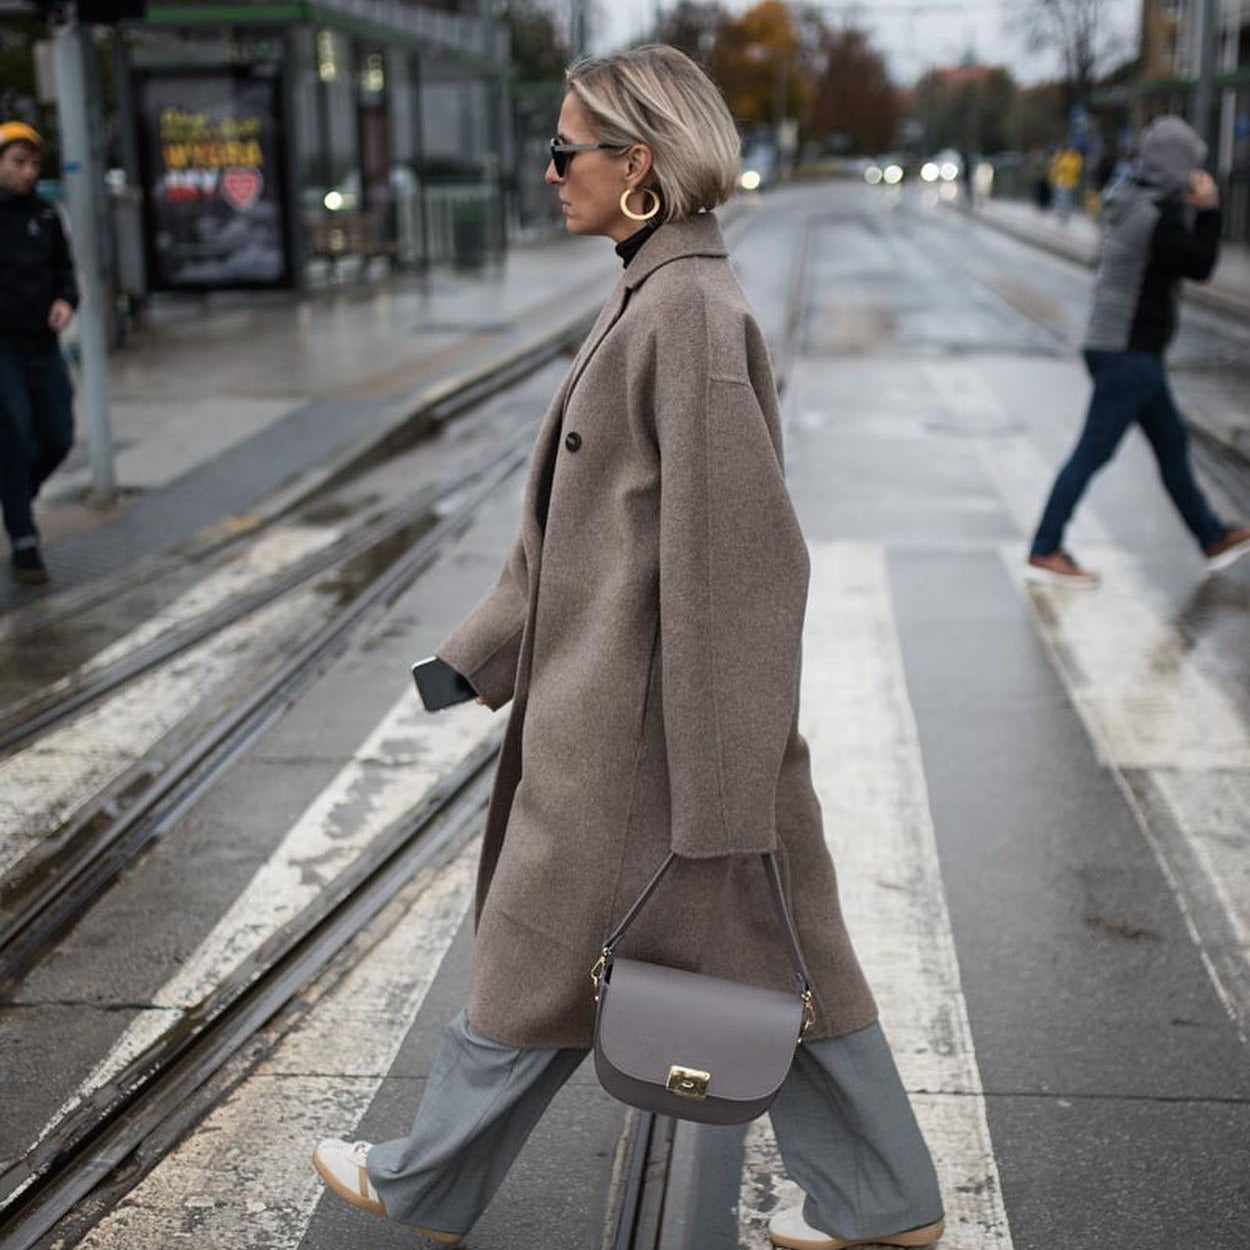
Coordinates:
[42,786]
[407,753]
[1148,706]
[1129,673]
[243,1178]
[869,774]
[270,555]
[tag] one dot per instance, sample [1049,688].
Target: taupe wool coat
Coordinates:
[647,630]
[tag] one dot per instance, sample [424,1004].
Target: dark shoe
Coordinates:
[1060,569]
[28,566]
[1230,549]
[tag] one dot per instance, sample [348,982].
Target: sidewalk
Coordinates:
[1228,290]
[220,399]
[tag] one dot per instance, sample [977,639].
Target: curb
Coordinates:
[406,422]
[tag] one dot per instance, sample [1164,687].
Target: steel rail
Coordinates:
[153,1091]
[438,406]
[62,889]
[26,720]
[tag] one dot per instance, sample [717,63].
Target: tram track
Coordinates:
[155,1091]
[45,902]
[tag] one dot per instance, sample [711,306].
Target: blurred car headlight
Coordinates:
[873,175]
[893,174]
[949,171]
[929,171]
[749,180]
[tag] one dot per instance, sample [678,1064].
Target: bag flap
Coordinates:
[652,1017]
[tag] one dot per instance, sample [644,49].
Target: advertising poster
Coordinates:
[214,186]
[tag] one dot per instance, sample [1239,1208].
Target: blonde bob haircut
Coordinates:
[658,96]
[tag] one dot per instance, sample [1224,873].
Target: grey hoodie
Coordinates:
[1151,240]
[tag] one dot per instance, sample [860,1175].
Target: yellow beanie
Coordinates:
[19,132]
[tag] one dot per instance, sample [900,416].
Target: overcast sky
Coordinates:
[914,35]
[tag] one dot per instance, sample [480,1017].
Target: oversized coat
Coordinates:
[647,631]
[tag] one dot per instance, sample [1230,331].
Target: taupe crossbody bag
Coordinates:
[691,1046]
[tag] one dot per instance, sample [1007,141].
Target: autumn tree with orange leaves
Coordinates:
[780,60]
[756,61]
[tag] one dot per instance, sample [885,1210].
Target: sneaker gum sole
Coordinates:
[1047,577]
[1226,559]
[362,1204]
[914,1237]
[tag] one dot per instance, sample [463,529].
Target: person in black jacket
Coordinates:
[1162,224]
[38,296]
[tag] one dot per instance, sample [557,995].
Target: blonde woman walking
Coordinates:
[646,630]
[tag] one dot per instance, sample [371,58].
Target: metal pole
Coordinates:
[1204,92]
[81,179]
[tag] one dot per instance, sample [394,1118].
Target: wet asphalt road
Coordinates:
[1081,765]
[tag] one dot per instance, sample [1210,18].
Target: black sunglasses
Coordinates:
[562,153]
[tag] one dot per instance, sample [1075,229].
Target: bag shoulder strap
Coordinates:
[779,897]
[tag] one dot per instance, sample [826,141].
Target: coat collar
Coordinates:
[691,236]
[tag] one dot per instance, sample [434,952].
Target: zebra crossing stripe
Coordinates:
[244,1177]
[870,778]
[406,754]
[42,786]
[1164,726]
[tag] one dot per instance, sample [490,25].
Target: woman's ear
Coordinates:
[638,163]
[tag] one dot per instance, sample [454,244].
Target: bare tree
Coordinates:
[1077,29]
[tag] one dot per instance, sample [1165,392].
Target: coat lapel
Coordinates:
[694,236]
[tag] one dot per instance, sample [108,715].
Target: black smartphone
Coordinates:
[439,685]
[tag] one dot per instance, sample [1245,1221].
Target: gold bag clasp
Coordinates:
[688,1082]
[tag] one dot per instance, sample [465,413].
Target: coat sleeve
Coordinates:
[486,645]
[733,587]
[66,284]
[1185,252]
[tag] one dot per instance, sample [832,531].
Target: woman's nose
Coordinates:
[550,177]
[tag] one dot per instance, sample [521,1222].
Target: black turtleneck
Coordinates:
[627,249]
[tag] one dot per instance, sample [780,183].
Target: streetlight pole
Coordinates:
[1204,92]
[81,179]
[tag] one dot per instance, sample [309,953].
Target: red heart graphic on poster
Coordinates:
[242,187]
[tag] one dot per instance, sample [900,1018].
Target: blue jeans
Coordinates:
[36,430]
[1128,387]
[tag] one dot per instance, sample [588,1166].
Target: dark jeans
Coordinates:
[36,430]
[1128,387]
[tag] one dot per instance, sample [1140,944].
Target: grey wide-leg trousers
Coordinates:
[846,1132]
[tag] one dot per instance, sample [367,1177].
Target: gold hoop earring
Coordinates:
[651,212]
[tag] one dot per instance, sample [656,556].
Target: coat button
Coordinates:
[572,440]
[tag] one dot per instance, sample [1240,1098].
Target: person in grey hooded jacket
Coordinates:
[1162,224]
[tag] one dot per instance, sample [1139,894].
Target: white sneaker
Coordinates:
[789,1229]
[342,1166]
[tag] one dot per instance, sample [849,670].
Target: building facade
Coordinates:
[1170,67]
[300,144]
